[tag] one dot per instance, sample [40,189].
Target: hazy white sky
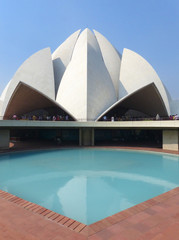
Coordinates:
[148,27]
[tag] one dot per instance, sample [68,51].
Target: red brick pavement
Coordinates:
[154,219]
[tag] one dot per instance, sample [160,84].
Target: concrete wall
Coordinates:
[86,136]
[170,140]
[4,138]
[103,124]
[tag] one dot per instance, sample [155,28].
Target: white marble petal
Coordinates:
[146,100]
[136,73]
[37,72]
[86,88]
[62,56]
[111,57]
[86,76]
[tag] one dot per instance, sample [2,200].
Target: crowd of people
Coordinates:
[130,118]
[104,118]
[174,117]
[42,118]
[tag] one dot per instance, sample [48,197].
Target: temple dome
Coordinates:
[86,78]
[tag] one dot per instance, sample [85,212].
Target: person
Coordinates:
[48,118]
[176,117]
[34,118]
[112,119]
[23,117]
[54,118]
[58,140]
[66,117]
[157,117]
[14,117]
[104,118]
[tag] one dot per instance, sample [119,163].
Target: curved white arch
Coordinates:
[136,73]
[90,77]
[86,88]
[112,59]
[3,95]
[62,56]
[37,72]
[22,94]
[157,107]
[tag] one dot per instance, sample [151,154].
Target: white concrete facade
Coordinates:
[87,78]
[137,73]
[170,129]
[61,58]
[171,140]
[36,72]
[112,59]
[86,81]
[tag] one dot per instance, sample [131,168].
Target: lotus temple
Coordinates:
[87,93]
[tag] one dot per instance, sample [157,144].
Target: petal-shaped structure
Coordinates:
[2,99]
[37,72]
[20,104]
[112,59]
[136,73]
[86,78]
[146,100]
[80,91]
[3,95]
[62,56]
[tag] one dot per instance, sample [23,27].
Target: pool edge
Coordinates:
[79,227]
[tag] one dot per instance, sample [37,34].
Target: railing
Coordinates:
[37,118]
[140,119]
[107,119]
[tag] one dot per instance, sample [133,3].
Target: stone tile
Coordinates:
[74,225]
[138,217]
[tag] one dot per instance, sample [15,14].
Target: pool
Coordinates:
[88,184]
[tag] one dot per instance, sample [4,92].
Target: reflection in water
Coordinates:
[88,185]
[72,198]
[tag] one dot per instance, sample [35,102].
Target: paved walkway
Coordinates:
[158,222]
[36,144]
[17,223]
[155,219]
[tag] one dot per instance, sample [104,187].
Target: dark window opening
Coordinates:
[125,137]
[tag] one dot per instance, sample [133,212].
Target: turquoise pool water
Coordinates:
[88,184]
